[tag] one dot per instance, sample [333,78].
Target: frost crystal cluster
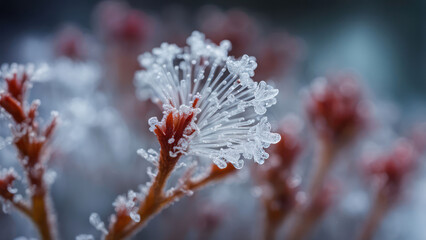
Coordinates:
[214,97]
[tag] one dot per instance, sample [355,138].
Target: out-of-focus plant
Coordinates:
[277,52]
[32,144]
[388,172]
[70,42]
[338,113]
[279,186]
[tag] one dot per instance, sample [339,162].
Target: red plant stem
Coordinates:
[41,215]
[324,162]
[156,200]
[30,143]
[309,215]
[378,211]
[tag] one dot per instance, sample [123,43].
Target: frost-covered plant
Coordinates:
[212,110]
[337,112]
[32,144]
[216,98]
[278,184]
[387,171]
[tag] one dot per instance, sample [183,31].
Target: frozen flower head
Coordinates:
[212,107]
[336,108]
[71,43]
[389,169]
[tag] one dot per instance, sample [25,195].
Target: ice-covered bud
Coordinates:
[176,128]
[336,108]
[7,177]
[209,102]
[388,170]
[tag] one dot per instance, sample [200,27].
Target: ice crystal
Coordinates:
[96,222]
[127,205]
[215,98]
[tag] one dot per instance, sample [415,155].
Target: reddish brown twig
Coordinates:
[156,199]
[32,145]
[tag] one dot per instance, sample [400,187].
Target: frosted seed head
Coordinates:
[215,91]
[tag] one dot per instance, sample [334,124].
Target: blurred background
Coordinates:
[381,42]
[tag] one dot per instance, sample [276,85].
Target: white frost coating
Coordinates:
[151,156]
[84,237]
[128,204]
[225,127]
[96,222]
[34,73]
